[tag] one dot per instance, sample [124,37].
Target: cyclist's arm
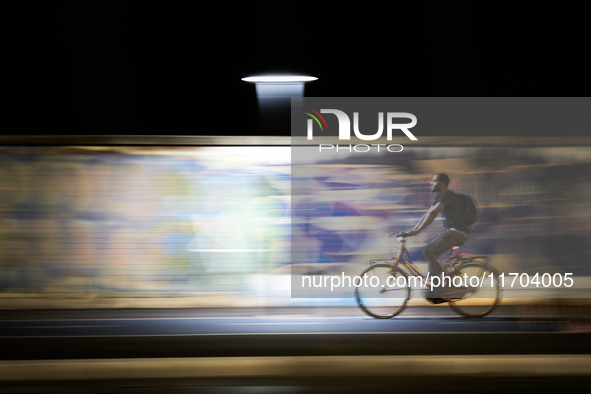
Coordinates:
[420,221]
[427,218]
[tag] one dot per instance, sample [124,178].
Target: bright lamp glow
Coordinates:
[280,78]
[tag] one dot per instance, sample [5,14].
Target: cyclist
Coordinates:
[455,232]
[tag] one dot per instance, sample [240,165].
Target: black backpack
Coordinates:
[467,209]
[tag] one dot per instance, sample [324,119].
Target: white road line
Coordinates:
[360,317]
[62,326]
[284,333]
[268,323]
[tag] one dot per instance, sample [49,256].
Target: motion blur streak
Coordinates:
[131,221]
[534,207]
[214,222]
[301,367]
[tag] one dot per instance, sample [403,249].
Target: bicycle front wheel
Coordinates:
[483,294]
[382,294]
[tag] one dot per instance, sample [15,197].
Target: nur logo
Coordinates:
[345,124]
[316,119]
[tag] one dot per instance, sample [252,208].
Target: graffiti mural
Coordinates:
[176,220]
[139,220]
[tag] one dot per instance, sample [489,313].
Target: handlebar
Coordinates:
[400,237]
[392,246]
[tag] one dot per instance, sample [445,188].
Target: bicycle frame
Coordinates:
[405,263]
[401,260]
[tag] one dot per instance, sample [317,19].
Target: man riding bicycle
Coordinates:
[455,232]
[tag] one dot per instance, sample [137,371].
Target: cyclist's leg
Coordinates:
[443,242]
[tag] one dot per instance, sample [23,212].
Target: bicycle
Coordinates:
[388,296]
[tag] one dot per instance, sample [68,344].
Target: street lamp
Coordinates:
[274,93]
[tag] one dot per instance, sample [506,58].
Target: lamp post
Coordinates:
[274,93]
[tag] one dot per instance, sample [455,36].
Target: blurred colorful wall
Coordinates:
[217,220]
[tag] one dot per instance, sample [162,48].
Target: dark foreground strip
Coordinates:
[294,345]
[310,366]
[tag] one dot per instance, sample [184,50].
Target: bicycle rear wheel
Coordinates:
[483,295]
[384,297]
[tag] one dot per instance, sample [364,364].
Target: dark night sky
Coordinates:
[115,68]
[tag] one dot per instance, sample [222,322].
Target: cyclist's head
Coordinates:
[443,178]
[439,183]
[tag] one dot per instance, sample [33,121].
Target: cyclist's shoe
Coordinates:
[436,296]
[436,301]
